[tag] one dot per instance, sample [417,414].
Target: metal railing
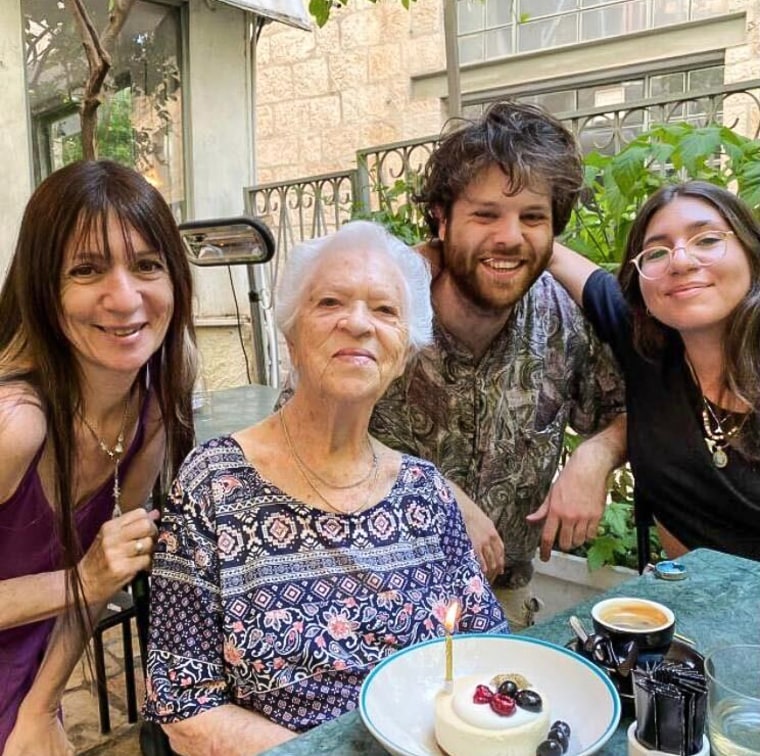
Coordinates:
[308,207]
[312,206]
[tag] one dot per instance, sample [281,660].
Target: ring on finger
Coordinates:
[139,546]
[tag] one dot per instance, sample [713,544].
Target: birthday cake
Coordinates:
[503,716]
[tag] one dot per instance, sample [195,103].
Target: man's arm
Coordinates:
[571,270]
[489,548]
[575,503]
[226,730]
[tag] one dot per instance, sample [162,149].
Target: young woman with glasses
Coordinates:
[683,319]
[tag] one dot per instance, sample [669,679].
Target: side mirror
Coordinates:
[227,241]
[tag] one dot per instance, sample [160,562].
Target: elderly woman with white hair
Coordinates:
[296,554]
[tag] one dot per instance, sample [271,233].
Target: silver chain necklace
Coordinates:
[115,454]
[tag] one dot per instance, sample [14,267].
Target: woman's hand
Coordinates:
[122,548]
[37,733]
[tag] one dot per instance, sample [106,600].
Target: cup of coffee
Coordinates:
[622,619]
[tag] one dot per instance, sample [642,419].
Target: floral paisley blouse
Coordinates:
[264,602]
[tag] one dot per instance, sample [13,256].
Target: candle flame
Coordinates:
[452,616]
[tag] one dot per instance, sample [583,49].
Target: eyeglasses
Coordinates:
[704,249]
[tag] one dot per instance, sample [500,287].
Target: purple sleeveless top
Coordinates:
[28,546]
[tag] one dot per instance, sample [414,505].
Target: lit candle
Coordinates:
[449,625]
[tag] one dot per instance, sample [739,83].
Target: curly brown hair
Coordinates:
[528,144]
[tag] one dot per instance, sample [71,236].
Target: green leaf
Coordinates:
[616,518]
[601,552]
[627,167]
[320,11]
[695,149]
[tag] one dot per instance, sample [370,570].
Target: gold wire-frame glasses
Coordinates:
[704,249]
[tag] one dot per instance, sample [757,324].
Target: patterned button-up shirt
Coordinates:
[495,426]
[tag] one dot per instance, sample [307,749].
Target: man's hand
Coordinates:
[575,503]
[489,548]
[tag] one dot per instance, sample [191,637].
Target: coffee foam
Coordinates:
[633,617]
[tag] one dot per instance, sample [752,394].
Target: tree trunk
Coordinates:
[96,49]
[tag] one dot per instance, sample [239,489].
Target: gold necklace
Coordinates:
[717,439]
[114,454]
[304,470]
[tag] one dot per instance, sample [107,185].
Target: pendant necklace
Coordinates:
[305,471]
[716,438]
[114,454]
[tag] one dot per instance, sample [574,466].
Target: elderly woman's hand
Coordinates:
[123,547]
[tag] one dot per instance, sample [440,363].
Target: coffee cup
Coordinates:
[623,619]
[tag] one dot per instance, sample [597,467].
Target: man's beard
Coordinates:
[494,300]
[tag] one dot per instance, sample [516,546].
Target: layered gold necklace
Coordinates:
[717,438]
[717,434]
[114,453]
[310,475]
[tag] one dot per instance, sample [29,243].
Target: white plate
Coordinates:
[396,700]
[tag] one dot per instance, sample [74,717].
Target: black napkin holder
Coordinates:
[671,707]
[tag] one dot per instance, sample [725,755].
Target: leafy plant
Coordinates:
[396,210]
[616,187]
[615,542]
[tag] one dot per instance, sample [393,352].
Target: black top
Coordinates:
[675,478]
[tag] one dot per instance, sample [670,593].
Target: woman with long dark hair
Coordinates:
[683,319]
[97,363]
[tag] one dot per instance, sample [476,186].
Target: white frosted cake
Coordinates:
[469,723]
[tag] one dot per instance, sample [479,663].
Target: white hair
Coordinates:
[359,237]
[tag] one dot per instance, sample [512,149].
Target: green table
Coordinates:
[229,410]
[717,604]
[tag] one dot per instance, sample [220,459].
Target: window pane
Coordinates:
[597,3]
[473,111]
[705,78]
[669,12]
[498,43]
[140,120]
[499,12]
[536,8]
[604,95]
[672,83]
[469,16]
[707,8]
[554,102]
[471,49]
[609,22]
[551,32]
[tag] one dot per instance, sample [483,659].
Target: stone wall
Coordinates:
[742,64]
[322,95]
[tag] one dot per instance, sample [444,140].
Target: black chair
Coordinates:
[643,521]
[119,611]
